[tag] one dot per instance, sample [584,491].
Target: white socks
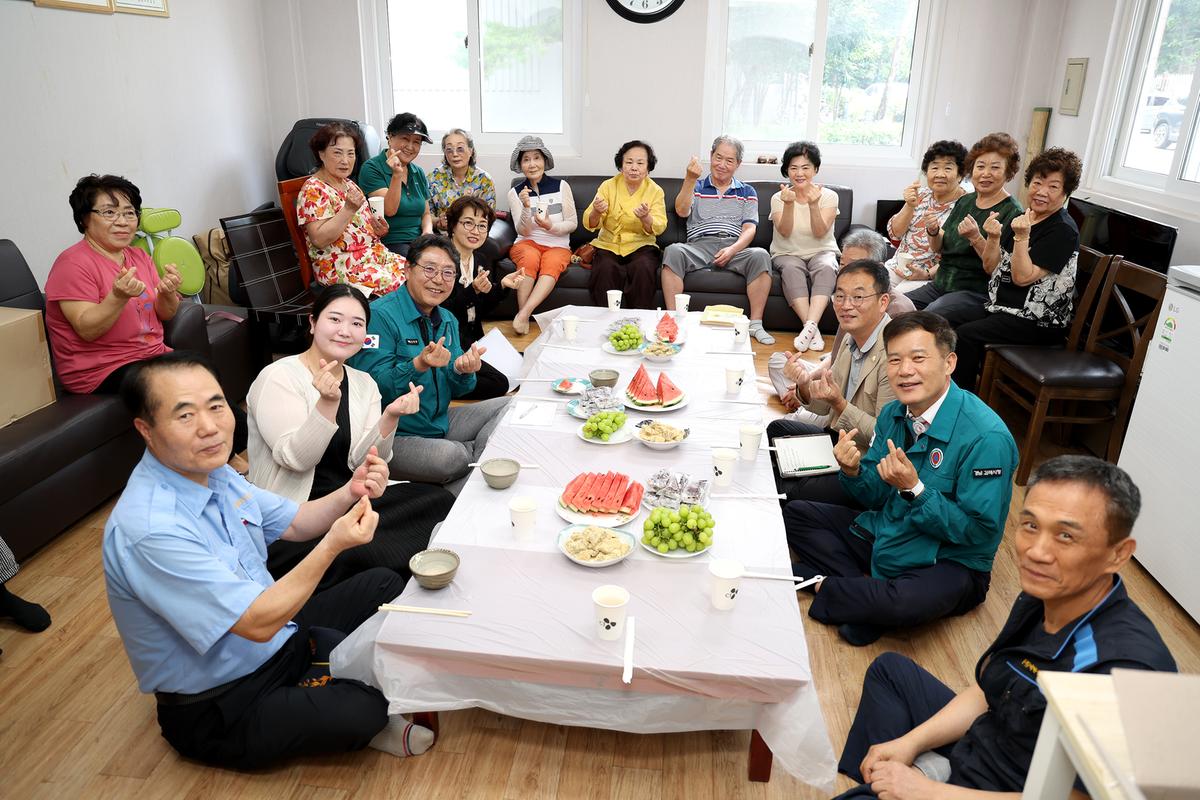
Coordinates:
[402,738]
[759,332]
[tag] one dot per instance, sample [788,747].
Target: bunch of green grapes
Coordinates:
[627,337]
[603,425]
[691,527]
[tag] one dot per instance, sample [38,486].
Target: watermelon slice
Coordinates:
[606,484]
[668,393]
[579,501]
[667,328]
[565,385]
[641,390]
[617,493]
[633,498]
[572,487]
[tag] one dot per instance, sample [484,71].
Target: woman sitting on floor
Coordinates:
[543,212]
[479,287]
[313,420]
[343,233]
[925,210]
[457,176]
[629,212]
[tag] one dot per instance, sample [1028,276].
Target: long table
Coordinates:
[528,649]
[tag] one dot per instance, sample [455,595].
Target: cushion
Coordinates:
[1057,367]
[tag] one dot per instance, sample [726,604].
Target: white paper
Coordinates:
[502,355]
[532,414]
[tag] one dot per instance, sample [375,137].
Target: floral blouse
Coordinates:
[357,257]
[916,241]
[443,190]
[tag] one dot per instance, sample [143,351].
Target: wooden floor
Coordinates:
[72,723]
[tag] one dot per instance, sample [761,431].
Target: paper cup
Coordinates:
[610,603]
[724,460]
[904,263]
[523,514]
[741,330]
[681,302]
[614,299]
[751,437]
[376,204]
[570,327]
[726,579]
[734,377]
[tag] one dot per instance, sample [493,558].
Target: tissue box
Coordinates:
[24,363]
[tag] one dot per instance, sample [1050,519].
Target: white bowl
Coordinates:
[625,536]
[659,445]
[660,359]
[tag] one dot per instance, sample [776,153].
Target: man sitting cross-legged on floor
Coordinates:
[936,483]
[237,661]
[850,393]
[914,738]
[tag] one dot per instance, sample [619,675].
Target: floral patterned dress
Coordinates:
[915,240]
[357,257]
[443,190]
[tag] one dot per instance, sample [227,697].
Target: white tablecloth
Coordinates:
[529,649]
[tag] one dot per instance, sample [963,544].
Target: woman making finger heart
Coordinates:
[314,420]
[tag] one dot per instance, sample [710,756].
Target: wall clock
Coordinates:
[645,11]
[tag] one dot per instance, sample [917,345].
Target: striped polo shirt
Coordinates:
[716,214]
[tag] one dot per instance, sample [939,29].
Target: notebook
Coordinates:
[802,456]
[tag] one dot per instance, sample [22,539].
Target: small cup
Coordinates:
[681,302]
[726,582]
[610,603]
[570,327]
[434,568]
[500,473]
[376,204]
[603,377]
[904,263]
[724,461]
[734,377]
[741,330]
[523,514]
[614,299]
[751,437]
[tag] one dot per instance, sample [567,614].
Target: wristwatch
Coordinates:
[914,492]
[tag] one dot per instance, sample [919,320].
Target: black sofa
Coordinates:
[61,462]
[706,287]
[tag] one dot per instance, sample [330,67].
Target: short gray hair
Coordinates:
[867,239]
[736,144]
[465,135]
[1124,497]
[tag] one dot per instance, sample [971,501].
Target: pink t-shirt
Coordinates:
[80,273]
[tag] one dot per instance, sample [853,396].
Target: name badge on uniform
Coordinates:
[935,457]
[371,341]
[470,313]
[988,472]
[412,341]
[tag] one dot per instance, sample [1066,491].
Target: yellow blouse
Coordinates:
[620,231]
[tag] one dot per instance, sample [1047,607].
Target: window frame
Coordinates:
[1125,73]
[918,115]
[379,95]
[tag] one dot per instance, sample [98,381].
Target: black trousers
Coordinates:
[489,382]
[820,535]
[820,488]
[636,275]
[290,706]
[978,328]
[897,696]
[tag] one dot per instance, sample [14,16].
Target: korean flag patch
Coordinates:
[371,342]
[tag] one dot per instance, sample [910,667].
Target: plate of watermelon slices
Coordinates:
[650,396]
[607,499]
[668,330]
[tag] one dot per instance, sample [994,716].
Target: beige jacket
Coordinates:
[864,401]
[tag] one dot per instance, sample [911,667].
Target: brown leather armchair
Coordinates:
[61,462]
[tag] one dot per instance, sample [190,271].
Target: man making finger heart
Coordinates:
[935,482]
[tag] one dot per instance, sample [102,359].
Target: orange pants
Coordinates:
[534,259]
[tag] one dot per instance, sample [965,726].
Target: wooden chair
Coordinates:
[289,190]
[1053,384]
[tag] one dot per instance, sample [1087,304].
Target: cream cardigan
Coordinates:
[288,435]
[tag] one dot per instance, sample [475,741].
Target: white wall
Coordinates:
[177,105]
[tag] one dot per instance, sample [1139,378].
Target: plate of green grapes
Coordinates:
[685,532]
[606,427]
[626,340]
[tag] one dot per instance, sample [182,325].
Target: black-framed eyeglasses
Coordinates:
[430,271]
[111,214]
[855,300]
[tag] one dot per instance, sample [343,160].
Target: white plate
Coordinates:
[579,384]
[573,409]
[653,409]
[659,359]
[680,337]
[677,553]
[620,436]
[659,445]
[633,351]
[625,536]
[603,520]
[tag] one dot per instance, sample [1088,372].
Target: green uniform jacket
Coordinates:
[966,460]
[403,332]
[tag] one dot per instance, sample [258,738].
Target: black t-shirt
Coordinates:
[1054,247]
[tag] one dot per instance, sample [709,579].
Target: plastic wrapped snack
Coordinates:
[599,398]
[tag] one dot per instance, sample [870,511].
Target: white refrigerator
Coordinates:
[1163,441]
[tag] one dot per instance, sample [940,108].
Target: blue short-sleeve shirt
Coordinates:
[182,563]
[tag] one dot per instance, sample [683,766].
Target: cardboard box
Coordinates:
[24,363]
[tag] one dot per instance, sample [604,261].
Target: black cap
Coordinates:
[408,123]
